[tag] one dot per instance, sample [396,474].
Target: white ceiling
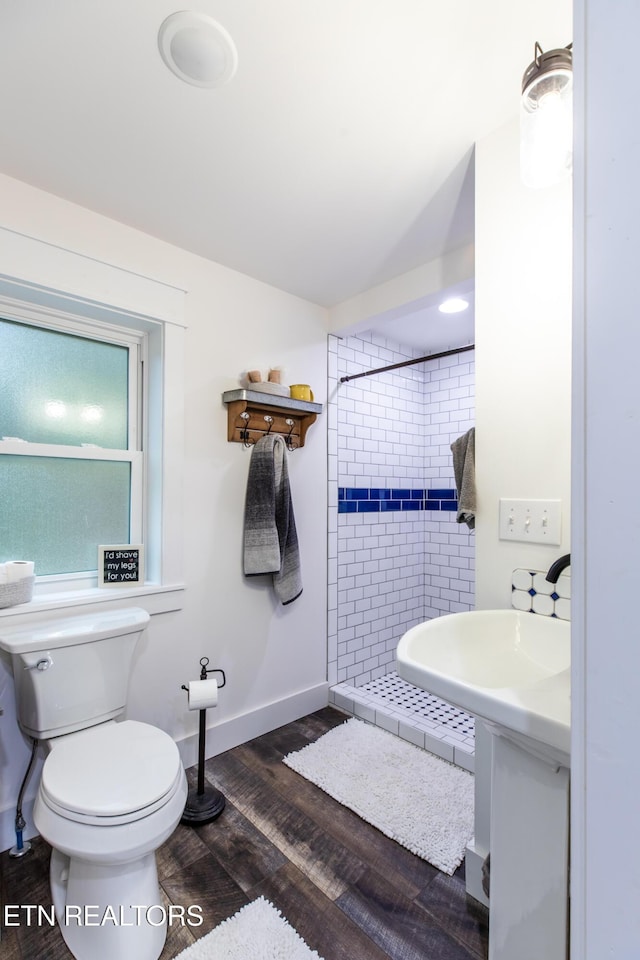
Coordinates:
[428,330]
[338,157]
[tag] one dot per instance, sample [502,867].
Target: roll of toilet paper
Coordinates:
[18,570]
[203,694]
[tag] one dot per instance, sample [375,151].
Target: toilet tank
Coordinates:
[72,673]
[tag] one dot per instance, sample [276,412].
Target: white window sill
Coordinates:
[153,598]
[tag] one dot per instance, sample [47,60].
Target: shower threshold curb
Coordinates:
[405,723]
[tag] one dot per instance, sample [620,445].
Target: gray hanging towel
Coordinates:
[270,537]
[464,468]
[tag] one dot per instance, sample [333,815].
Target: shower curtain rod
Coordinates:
[408,363]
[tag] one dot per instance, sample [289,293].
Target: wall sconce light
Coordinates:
[546,118]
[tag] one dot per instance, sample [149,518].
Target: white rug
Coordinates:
[257,932]
[421,801]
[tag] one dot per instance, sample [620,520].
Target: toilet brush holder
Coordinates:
[204,803]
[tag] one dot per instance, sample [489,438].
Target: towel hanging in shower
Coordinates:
[270,537]
[464,468]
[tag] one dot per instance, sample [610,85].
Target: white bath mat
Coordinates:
[256,932]
[421,801]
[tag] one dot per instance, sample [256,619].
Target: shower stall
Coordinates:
[397,556]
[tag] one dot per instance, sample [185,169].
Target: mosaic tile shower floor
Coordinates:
[413,714]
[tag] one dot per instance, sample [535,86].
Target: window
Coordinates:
[71,462]
[109,339]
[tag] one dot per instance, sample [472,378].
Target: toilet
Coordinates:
[111,792]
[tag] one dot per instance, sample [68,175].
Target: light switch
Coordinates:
[532,521]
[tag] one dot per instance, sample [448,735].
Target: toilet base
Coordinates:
[109,910]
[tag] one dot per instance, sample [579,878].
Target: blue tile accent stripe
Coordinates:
[384,500]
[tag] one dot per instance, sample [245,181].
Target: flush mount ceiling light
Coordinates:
[197,49]
[453,305]
[546,117]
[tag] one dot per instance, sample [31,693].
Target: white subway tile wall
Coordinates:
[397,556]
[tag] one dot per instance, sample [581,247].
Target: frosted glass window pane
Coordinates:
[56,511]
[59,388]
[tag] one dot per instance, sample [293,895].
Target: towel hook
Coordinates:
[268,420]
[289,439]
[244,431]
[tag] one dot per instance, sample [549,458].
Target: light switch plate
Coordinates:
[531,521]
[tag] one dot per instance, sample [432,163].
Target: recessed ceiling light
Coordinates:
[453,305]
[197,49]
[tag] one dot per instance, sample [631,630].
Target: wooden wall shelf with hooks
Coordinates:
[259,405]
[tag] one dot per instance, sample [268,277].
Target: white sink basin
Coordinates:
[504,666]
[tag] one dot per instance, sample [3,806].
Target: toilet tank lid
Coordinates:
[49,634]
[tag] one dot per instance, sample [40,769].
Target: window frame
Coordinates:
[104,301]
[135,343]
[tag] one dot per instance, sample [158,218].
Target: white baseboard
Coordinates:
[231,732]
[220,737]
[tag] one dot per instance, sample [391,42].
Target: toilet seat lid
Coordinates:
[111,770]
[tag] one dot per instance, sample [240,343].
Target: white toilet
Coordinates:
[110,793]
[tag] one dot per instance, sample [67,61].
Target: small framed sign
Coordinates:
[120,565]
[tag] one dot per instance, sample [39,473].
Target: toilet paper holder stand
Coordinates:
[206,803]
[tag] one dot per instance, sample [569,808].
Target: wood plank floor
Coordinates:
[349,891]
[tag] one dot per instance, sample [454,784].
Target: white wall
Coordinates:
[523,357]
[274,656]
[523,384]
[606,532]
[403,295]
